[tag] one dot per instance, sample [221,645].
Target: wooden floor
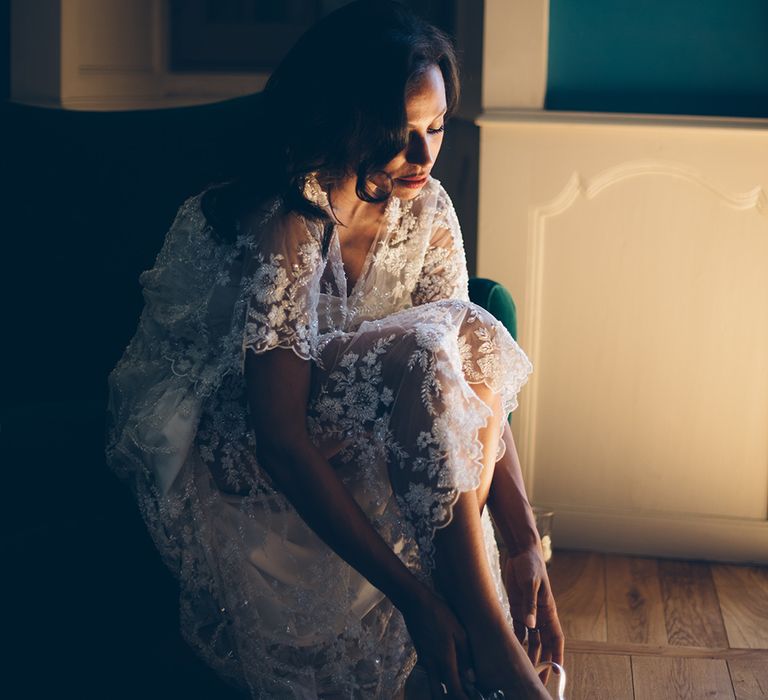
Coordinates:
[656,629]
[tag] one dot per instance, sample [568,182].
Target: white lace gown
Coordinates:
[263,600]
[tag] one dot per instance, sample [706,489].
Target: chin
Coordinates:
[407,193]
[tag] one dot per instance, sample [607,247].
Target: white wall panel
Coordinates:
[637,253]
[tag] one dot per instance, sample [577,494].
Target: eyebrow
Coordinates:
[445,109]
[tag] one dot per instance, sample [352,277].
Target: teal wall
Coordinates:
[706,57]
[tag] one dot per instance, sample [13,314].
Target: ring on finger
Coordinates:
[532,634]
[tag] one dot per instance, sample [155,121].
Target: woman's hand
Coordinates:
[441,645]
[532,606]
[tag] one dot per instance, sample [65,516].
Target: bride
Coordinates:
[312,414]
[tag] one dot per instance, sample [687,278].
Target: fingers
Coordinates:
[546,655]
[531,602]
[553,644]
[552,633]
[558,648]
[452,680]
[534,645]
[553,638]
[444,683]
[550,647]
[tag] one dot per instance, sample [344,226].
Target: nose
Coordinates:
[418,151]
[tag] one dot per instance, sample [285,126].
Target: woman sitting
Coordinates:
[312,414]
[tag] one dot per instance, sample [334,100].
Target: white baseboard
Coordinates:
[684,536]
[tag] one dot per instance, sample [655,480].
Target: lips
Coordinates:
[412,182]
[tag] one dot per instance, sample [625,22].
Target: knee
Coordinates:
[459,334]
[417,351]
[480,323]
[480,343]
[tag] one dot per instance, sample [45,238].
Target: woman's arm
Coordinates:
[277,384]
[278,387]
[532,604]
[508,502]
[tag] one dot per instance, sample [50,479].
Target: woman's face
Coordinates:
[425,107]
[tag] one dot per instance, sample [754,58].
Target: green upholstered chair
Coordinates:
[495,298]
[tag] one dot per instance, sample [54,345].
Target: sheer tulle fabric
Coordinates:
[263,600]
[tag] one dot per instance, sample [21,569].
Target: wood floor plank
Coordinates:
[578,584]
[759,656]
[656,677]
[749,678]
[691,607]
[597,677]
[743,595]
[634,607]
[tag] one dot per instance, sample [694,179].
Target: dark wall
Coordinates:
[87,198]
[254,35]
[5,50]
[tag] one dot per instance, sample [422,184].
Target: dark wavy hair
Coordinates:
[336,105]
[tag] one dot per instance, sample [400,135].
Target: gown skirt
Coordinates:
[286,616]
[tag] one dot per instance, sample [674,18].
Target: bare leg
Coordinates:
[463,576]
[489,436]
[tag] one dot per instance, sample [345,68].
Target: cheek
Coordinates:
[437,145]
[396,164]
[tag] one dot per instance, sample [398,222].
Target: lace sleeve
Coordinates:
[282,277]
[444,272]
